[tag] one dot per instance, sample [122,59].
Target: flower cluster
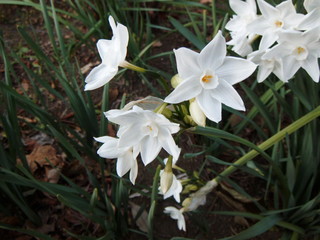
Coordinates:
[204,79]
[289,40]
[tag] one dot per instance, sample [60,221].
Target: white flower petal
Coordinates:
[309,5]
[186,90]
[128,138]
[263,72]
[268,38]
[109,149]
[290,67]
[121,117]
[123,40]
[258,26]
[210,106]
[100,76]
[213,54]
[267,10]
[227,95]
[286,8]
[279,51]
[177,215]
[238,6]
[312,68]
[234,70]
[133,171]
[106,49]
[168,143]
[187,63]
[124,163]
[150,149]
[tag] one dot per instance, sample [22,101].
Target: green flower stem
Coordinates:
[271,141]
[133,67]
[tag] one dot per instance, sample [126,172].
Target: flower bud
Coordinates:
[166,176]
[176,80]
[167,113]
[166,179]
[196,113]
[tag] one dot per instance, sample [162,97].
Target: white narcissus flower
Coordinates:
[175,188]
[127,156]
[113,53]
[177,214]
[266,66]
[310,5]
[208,77]
[146,130]
[273,21]
[298,49]
[241,39]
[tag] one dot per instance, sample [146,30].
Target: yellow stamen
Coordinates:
[300,50]
[207,78]
[150,128]
[278,23]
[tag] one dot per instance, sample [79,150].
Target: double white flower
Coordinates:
[208,77]
[241,38]
[141,131]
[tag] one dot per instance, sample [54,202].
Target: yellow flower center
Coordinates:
[300,50]
[278,23]
[207,78]
[149,127]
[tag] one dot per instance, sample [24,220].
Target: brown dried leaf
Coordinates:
[230,202]
[236,195]
[157,44]
[53,174]
[43,156]
[142,221]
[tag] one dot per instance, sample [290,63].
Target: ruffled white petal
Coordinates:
[109,148]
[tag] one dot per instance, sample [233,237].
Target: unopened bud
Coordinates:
[167,113]
[186,203]
[176,80]
[166,179]
[196,113]
[166,176]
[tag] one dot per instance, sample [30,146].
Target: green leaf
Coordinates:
[187,33]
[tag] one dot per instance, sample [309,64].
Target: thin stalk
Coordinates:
[104,108]
[270,142]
